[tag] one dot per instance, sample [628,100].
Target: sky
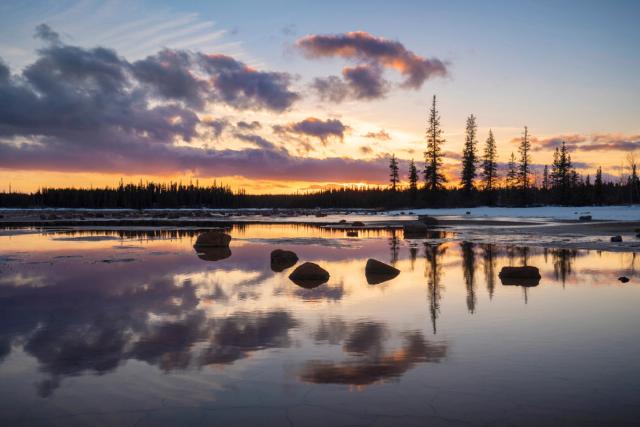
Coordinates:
[283,96]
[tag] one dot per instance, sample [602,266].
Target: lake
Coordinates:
[133,327]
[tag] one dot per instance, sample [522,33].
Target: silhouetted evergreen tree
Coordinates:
[563,177]
[469,156]
[545,178]
[598,187]
[394,177]
[524,166]
[413,181]
[512,173]
[490,167]
[434,179]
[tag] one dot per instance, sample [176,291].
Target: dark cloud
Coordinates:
[218,126]
[366,150]
[259,141]
[90,110]
[168,74]
[381,135]
[375,52]
[44,32]
[316,128]
[244,87]
[331,88]
[593,142]
[365,81]
[254,125]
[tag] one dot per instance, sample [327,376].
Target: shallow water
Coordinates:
[134,328]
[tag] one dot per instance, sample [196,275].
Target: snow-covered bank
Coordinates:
[620,213]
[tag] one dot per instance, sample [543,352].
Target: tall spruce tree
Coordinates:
[469,155]
[413,180]
[563,176]
[394,176]
[524,166]
[598,187]
[434,179]
[545,178]
[512,173]
[490,163]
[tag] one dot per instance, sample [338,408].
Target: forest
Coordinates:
[482,182]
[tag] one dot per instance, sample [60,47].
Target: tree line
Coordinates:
[482,182]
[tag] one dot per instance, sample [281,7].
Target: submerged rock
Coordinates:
[616,239]
[378,272]
[213,239]
[281,260]
[623,279]
[520,276]
[309,275]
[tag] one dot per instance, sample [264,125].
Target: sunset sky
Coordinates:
[293,96]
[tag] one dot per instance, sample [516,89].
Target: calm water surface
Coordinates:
[134,328]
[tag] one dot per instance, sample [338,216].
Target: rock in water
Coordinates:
[281,260]
[309,275]
[616,239]
[357,224]
[415,229]
[584,218]
[352,233]
[427,220]
[520,276]
[213,239]
[213,253]
[623,279]
[378,272]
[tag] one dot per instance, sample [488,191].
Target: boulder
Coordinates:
[520,276]
[378,272]
[584,218]
[352,233]
[281,260]
[309,275]
[213,239]
[213,253]
[616,239]
[415,229]
[342,221]
[623,279]
[427,220]
[357,224]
